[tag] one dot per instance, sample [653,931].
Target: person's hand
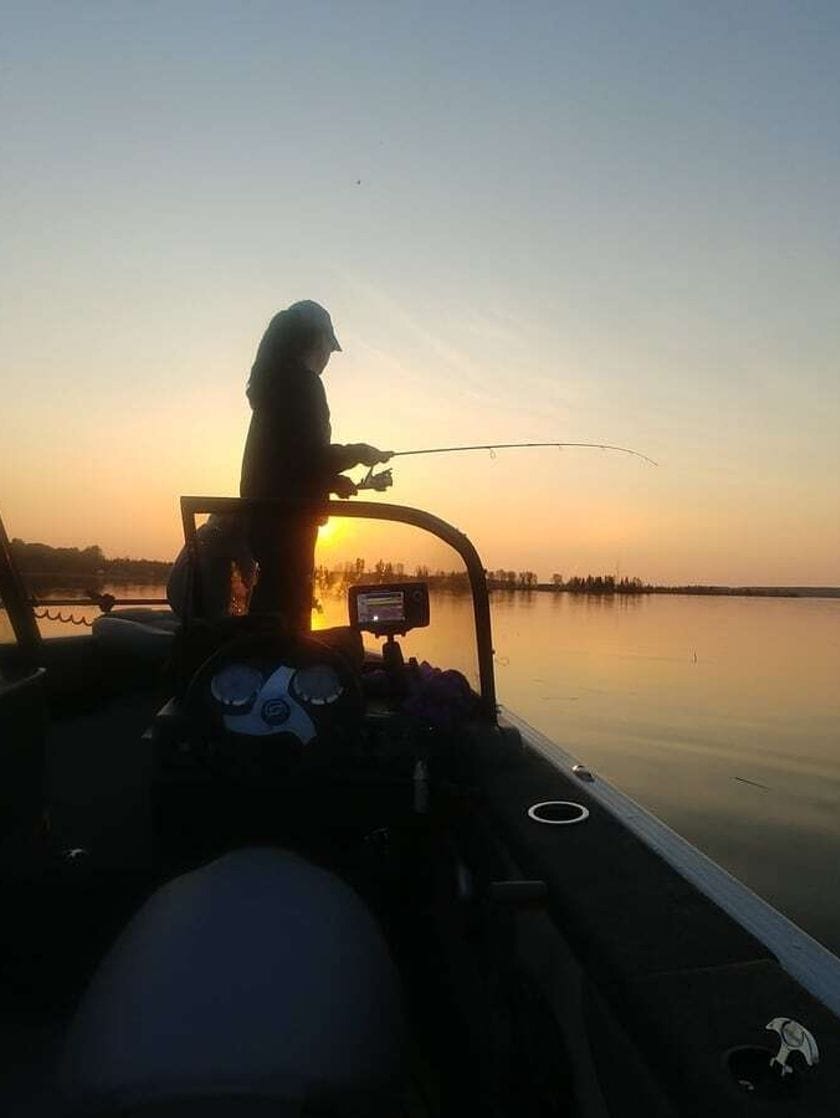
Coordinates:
[370,456]
[343,487]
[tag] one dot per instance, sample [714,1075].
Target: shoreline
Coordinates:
[49,580]
[698,591]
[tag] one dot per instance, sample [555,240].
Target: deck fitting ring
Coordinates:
[558,813]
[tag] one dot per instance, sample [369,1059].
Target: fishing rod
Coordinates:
[384,479]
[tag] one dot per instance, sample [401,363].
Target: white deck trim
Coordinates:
[800,955]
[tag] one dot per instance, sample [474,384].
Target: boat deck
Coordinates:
[623,984]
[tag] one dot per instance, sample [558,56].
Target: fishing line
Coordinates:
[384,480]
[516,446]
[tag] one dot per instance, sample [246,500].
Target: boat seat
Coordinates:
[259,976]
[146,635]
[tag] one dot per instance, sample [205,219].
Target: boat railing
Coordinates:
[194,506]
[22,606]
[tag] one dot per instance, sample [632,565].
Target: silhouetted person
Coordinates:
[289,456]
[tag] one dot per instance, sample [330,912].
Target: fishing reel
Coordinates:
[380,482]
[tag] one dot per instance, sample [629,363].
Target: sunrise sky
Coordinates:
[593,221]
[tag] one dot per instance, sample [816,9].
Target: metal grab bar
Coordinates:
[40,603]
[192,506]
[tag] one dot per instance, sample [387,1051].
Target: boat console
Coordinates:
[291,738]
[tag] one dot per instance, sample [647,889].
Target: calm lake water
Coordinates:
[720,715]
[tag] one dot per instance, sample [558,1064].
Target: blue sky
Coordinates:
[605,222]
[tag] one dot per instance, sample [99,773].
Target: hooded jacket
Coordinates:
[288,453]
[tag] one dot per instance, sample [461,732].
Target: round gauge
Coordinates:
[236,686]
[318,684]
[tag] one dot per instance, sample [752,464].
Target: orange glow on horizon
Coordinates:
[329,533]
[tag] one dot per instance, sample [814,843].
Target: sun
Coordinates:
[329,532]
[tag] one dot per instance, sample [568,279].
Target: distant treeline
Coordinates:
[608,584]
[335,579]
[331,579]
[587,584]
[39,560]
[754,591]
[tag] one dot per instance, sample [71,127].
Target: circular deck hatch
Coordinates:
[558,813]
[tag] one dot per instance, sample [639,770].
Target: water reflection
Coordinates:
[721,715]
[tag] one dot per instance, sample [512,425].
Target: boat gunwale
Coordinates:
[803,958]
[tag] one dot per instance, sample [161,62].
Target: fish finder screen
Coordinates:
[380,606]
[388,608]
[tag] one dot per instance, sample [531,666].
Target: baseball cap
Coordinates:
[314,313]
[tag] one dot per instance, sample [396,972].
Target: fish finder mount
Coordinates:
[389,610]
